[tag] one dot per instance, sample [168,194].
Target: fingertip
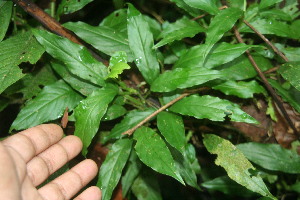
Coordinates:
[91,193]
[92,165]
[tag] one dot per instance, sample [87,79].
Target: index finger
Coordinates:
[32,141]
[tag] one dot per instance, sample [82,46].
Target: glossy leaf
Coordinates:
[291,72]
[212,108]
[89,113]
[271,157]
[241,68]
[152,151]
[146,187]
[192,11]
[113,112]
[82,86]
[276,14]
[271,26]
[181,78]
[185,168]
[133,169]
[172,128]
[227,186]
[130,120]
[220,54]
[241,89]
[141,44]
[219,25]
[178,30]
[236,164]
[70,6]
[205,5]
[103,38]
[48,105]
[286,96]
[5,14]
[117,64]
[77,58]
[265,4]
[112,167]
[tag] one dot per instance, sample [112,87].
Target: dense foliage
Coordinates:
[170,88]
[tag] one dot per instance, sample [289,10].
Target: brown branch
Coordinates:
[54,26]
[130,131]
[267,85]
[275,49]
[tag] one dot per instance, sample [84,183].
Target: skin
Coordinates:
[28,158]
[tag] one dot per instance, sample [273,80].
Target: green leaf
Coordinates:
[33,82]
[291,72]
[20,48]
[205,5]
[185,168]
[77,58]
[103,38]
[275,14]
[236,165]
[271,157]
[89,113]
[70,6]
[271,26]
[141,44]
[111,169]
[241,4]
[130,120]
[286,95]
[178,30]
[219,25]
[183,78]
[78,84]
[290,52]
[227,186]
[240,89]
[152,151]
[117,20]
[220,54]
[5,14]
[117,64]
[241,68]
[146,187]
[9,75]
[113,112]
[212,108]
[172,128]
[192,11]
[48,105]
[265,4]
[133,169]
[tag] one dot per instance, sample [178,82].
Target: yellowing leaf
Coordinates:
[236,164]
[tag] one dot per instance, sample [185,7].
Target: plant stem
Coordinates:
[130,131]
[267,85]
[201,16]
[275,49]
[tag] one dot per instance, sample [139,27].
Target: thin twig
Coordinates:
[275,49]
[267,85]
[201,16]
[130,131]
[54,26]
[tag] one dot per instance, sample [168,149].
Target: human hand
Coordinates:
[28,158]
